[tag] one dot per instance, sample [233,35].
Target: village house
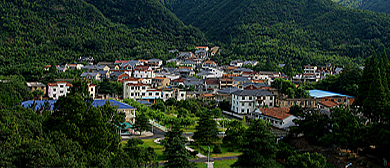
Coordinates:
[111,65]
[211,85]
[245,101]
[303,102]
[74,66]
[175,93]
[225,94]
[88,60]
[91,76]
[143,72]
[37,86]
[159,82]
[96,67]
[277,116]
[154,63]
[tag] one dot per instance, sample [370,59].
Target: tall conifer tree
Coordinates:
[367,78]
[376,100]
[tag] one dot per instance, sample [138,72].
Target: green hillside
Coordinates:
[36,33]
[372,5]
[305,31]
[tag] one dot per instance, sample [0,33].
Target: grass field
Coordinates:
[225,151]
[200,165]
[224,163]
[157,148]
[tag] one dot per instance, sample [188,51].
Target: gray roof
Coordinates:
[154,60]
[101,72]
[131,63]
[116,73]
[243,70]
[94,67]
[338,69]
[254,84]
[89,73]
[240,79]
[228,90]
[35,84]
[256,93]
[187,62]
[237,61]
[184,70]
[144,102]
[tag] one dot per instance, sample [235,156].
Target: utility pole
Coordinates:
[208,157]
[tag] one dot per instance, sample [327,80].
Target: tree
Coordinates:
[206,130]
[313,119]
[175,152]
[142,123]
[258,147]
[370,67]
[307,160]
[348,130]
[375,104]
[139,154]
[234,134]
[186,122]
[296,110]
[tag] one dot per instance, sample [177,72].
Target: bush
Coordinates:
[230,149]
[364,163]
[217,149]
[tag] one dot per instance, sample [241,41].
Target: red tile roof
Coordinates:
[208,95]
[178,80]
[121,61]
[159,78]
[210,62]
[212,81]
[276,112]
[329,103]
[201,47]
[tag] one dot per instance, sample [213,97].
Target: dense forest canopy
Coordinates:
[372,5]
[36,33]
[309,30]
[297,32]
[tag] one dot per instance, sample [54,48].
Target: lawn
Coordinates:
[157,148]
[224,163]
[200,165]
[225,151]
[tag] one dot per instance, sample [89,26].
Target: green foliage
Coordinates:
[372,5]
[36,34]
[140,154]
[142,122]
[288,88]
[13,90]
[206,130]
[258,147]
[217,149]
[313,119]
[234,134]
[307,160]
[175,152]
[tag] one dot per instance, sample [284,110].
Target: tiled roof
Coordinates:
[256,93]
[209,62]
[329,103]
[229,90]
[159,77]
[34,84]
[276,112]
[208,95]
[136,84]
[178,80]
[231,68]
[212,81]
[201,47]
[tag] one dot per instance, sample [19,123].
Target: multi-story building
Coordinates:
[311,74]
[245,101]
[134,90]
[58,89]
[154,63]
[62,88]
[143,72]
[160,82]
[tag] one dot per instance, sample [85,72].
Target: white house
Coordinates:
[143,72]
[154,63]
[276,116]
[134,91]
[246,101]
[58,89]
[174,93]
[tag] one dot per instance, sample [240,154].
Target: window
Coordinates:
[132,94]
[157,94]
[250,97]
[242,104]
[143,87]
[250,104]
[182,95]
[54,95]
[54,90]
[166,95]
[339,100]
[91,89]
[92,95]
[270,104]
[61,86]
[242,110]
[150,93]
[143,94]
[132,88]
[61,91]
[247,110]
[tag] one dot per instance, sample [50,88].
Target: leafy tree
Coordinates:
[313,119]
[234,134]
[139,154]
[307,160]
[217,148]
[258,147]
[296,110]
[206,130]
[142,122]
[370,67]
[348,130]
[186,122]
[375,104]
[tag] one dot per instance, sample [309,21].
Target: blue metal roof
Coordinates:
[322,93]
[41,103]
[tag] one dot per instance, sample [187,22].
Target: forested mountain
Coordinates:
[36,33]
[305,31]
[372,5]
